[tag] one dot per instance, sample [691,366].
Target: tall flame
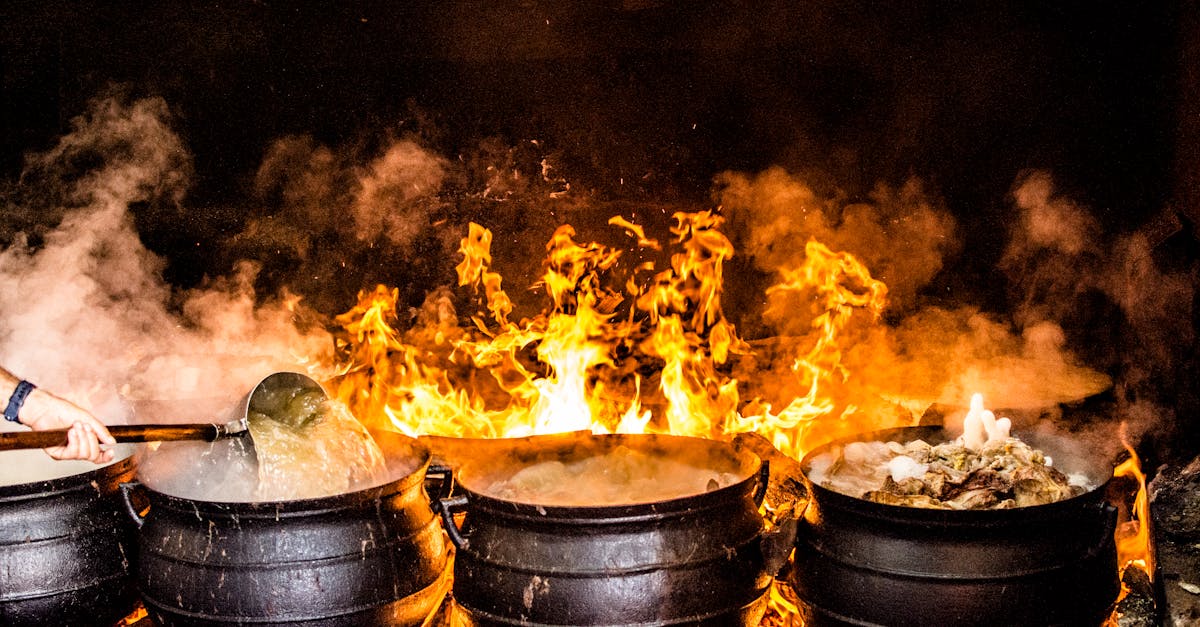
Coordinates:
[653,355]
[1134,545]
[841,285]
[625,348]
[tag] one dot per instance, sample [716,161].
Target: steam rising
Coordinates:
[87,313]
[902,234]
[929,354]
[390,198]
[1062,266]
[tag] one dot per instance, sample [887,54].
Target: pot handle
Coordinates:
[127,488]
[445,505]
[445,477]
[764,477]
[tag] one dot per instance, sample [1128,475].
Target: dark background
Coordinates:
[665,93]
[646,100]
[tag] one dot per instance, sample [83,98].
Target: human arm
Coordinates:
[42,410]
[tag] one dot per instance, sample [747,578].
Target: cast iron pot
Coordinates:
[66,547]
[700,559]
[371,557]
[863,563]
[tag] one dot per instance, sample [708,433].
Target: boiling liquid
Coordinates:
[621,476]
[328,453]
[321,451]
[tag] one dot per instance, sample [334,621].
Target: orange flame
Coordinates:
[655,354]
[652,356]
[1134,546]
[841,286]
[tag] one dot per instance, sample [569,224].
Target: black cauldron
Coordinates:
[66,547]
[371,557]
[698,560]
[863,563]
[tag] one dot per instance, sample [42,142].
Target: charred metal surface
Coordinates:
[864,563]
[66,549]
[374,556]
[692,560]
[1175,509]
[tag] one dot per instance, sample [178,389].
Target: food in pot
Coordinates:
[311,447]
[618,477]
[301,446]
[1003,473]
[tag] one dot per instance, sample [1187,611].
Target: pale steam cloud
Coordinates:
[393,198]
[919,355]
[314,192]
[901,233]
[87,313]
[1059,253]
[1049,222]
[1058,257]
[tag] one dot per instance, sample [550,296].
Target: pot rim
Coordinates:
[311,506]
[943,517]
[749,468]
[48,487]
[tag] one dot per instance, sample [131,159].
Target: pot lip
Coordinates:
[622,512]
[48,487]
[609,514]
[897,513]
[306,507]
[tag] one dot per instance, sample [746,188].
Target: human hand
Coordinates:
[43,411]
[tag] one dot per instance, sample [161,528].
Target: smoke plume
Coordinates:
[1061,265]
[901,233]
[87,313]
[920,354]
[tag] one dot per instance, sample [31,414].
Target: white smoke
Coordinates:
[902,234]
[86,313]
[1058,257]
[922,354]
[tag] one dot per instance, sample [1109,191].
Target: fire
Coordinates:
[653,354]
[135,617]
[627,348]
[841,285]
[1134,546]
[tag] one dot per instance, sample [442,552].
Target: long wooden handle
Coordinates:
[122,433]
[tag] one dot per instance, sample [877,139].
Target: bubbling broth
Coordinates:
[620,476]
[321,452]
[304,447]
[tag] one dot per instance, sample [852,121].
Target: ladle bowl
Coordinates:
[202,467]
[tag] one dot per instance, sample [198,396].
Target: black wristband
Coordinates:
[16,400]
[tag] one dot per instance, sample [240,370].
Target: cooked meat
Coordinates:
[1005,473]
